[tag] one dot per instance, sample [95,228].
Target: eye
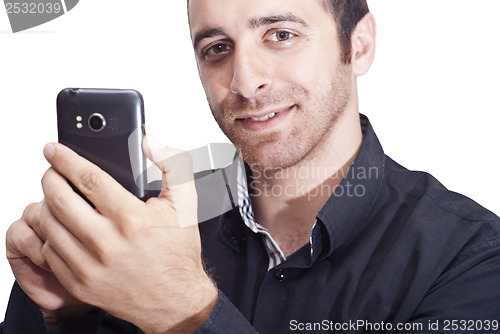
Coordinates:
[219,48]
[215,51]
[281,36]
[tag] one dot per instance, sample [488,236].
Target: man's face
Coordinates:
[272,75]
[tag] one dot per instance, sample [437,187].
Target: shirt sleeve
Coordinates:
[466,297]
[225,318]
[24,317]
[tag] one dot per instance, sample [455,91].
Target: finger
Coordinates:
[108,196]
[178,187]
[32,212]
[68,248]
[23,242]
[41,285]
[68,279]
[176,165]
[72,211]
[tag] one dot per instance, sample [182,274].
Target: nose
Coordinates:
[251,74]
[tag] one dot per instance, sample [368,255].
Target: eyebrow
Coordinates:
[253,23]
[266,20]
[207,33]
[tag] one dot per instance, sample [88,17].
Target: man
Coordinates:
[329,233]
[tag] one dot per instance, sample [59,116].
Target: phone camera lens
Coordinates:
[97,122]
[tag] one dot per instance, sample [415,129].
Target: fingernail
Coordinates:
[49,150]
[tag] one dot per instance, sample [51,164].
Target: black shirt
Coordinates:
[394,251]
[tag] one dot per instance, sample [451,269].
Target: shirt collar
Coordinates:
[276,255]
[343,214]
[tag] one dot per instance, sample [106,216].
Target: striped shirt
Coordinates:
[276,255]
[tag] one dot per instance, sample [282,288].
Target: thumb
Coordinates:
[178,187]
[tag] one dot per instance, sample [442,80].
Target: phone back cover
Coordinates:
[117,149]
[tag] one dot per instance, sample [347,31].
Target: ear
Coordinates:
[363,45]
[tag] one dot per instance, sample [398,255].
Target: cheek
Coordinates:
[322,69]
[312,68]
[215,86]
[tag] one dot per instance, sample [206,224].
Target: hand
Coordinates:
[139,261]
[24,252]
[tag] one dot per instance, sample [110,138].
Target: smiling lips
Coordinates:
[264,117]
[265,121]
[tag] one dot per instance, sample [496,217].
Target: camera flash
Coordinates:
[79,118]
[79,125]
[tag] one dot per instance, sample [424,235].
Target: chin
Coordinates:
[271,158]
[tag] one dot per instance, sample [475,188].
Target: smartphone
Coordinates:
[106,126]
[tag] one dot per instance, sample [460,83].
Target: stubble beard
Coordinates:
[315,118]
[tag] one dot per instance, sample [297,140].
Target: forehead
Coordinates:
[222,13]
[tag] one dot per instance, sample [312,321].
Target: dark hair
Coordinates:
[347,14]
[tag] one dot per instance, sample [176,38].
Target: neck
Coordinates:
[289,199]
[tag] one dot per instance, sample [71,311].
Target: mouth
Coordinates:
[264,116]
[270,120]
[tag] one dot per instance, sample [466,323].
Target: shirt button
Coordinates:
[279,276]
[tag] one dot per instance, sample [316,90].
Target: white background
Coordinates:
[432,94]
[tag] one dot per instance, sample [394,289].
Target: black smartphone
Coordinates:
[106,126]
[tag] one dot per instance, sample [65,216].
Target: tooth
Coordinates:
[265,118]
